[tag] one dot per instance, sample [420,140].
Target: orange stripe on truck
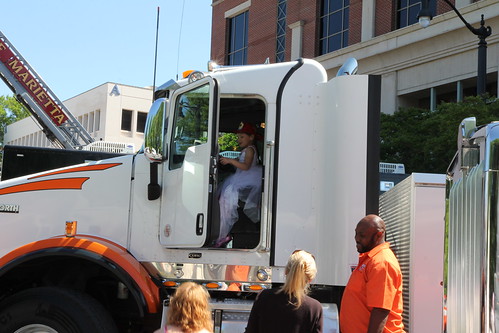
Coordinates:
[51,184]
[105,248]
[92,167]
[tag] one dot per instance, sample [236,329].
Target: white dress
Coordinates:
[244,185]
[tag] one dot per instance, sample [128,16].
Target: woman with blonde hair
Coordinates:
[288,309]
[189,310]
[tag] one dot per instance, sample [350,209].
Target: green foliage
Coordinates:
[10,111]
[426,141]
[228,141]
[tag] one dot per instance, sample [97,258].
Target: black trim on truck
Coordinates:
[21,161]
[373,144]
[280,91]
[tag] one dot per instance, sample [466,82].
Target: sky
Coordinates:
[78,45]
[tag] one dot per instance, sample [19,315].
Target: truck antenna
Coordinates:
[155,56]
[180,35]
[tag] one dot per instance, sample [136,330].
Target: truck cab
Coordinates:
[315,150]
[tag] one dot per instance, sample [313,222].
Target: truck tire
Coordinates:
[53,310]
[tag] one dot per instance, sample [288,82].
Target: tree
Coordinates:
[426,141]
[10,111]
[228,141]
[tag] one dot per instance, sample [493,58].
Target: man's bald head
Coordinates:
[369,233]
[373,221]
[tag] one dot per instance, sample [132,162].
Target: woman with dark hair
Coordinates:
[288,309]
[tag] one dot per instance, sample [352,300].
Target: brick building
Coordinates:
[419,67]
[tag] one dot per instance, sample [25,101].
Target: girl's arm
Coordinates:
[248,159]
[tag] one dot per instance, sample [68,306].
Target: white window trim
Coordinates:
[238,9]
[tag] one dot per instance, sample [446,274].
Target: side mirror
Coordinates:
[467,127]
[154,134]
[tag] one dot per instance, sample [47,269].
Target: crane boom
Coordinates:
[58,124]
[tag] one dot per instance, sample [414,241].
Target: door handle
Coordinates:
[199,224]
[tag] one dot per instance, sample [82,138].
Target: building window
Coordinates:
[91,122]
[97,120]
[334,25]
[408,10]
[238,39]
[126,120]
[141,121]
[281,31]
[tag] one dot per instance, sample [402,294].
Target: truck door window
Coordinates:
[190,123]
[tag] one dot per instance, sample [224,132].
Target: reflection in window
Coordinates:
[408,10]
[334,25]
[238,40]
[190,123]
[281,30]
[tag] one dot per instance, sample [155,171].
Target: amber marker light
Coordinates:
[255,287]
[71,228]
[212,285]
[185,74]
[170,284]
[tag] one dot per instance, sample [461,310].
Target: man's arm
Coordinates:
[377,320]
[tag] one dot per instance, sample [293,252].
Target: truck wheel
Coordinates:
[53,310]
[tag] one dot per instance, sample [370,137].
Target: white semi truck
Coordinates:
[471,280]
[98,246]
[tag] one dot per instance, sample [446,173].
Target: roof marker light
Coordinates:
[212,65]
[185,74]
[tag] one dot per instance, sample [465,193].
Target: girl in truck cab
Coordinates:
[244,185]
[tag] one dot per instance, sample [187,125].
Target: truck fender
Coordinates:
[104,252]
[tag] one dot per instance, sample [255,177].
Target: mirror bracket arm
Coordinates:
[153,188]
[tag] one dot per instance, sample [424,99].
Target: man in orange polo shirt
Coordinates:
[372,301]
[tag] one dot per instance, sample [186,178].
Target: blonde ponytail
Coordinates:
[300,270]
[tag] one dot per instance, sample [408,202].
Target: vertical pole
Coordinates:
[459,93]
[482,33]
[433,99]
[481,86]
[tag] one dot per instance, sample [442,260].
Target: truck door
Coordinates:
[188,174]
